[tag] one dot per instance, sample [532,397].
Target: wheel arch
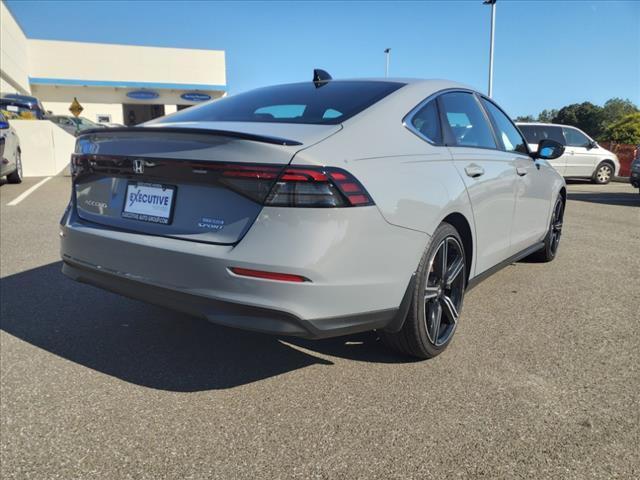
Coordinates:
[563,194]
[610,162]
[462,225]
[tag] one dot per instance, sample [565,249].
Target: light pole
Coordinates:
[493,22]
[387,53]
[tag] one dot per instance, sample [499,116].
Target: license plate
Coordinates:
[149,202]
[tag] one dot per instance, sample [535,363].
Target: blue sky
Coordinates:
[548,53]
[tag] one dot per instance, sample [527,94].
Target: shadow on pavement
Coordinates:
[151,346]
[607,198]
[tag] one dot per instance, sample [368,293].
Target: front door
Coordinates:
[532,187]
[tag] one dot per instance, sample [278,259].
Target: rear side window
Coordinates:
[427,123]
[575,138]
[506,130]
[329,104]
[535,133]
[466,120]
[281,111]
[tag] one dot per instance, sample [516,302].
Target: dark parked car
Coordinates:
[23,102]
[634,177]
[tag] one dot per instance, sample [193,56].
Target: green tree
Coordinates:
[546,116]
[586,116]
[616,108]
[525,118]
[626,130]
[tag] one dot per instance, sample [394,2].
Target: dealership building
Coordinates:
[123,84]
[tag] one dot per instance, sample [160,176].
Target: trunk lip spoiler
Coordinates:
[190,130]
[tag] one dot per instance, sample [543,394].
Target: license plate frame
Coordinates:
[157,218]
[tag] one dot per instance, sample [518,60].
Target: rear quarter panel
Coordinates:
[414,184]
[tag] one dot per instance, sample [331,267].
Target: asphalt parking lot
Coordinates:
[541,381]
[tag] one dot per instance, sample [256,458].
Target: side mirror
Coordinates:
[592,144]
[549,149]
[4,125]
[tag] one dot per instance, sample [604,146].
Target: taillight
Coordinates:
[253,181]
[272,185]
[324,187]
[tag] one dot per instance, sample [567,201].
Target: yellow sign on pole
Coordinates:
[75,107]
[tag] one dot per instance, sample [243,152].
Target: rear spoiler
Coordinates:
[200,131]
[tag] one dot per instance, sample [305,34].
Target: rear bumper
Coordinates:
[227,313]
[358,264]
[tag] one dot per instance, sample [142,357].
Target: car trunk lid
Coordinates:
[188,182]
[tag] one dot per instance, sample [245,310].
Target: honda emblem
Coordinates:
[138,167]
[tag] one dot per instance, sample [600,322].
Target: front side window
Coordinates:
[466,120]
[427,123]
[506,130]
[330,103]
[575,138]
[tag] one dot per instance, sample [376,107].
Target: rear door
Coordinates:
[489,174]
[581,160]
[194,184]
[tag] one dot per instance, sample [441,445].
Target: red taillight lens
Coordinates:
[253,181]
[312,187]
[282,277]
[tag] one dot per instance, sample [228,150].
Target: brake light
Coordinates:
[319,187]
[282,277]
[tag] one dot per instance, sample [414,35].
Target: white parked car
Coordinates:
[10,163]
[583,157]
[315,209]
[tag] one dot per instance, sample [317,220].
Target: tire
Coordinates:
[16,175]
[603,173]
[437,298]
[552,239]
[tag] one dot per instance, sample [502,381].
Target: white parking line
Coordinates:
[27,192]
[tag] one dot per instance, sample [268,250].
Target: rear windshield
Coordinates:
[328,104]
[535,133]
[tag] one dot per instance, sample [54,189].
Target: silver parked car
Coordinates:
[10,161]
[315,209]
[74,125]
[583,157]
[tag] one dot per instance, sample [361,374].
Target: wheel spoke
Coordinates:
[435,319]
[430,293]
[450,309]
[454,271]
[444,251]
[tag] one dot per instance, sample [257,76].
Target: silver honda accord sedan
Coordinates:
[315,209]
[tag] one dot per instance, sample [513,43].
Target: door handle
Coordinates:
[522,171]
[473,170]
